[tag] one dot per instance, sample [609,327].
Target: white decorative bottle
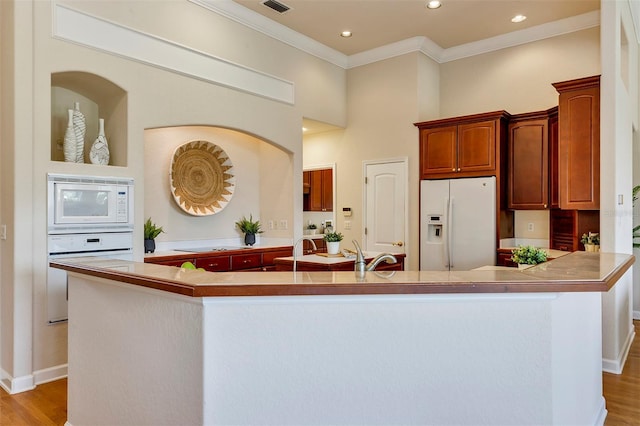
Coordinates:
[99,153]
[69,145]
[79,128]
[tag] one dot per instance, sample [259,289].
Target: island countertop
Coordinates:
[575,272]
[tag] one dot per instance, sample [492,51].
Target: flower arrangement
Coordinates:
[333,237]
[591,241]
[528,255]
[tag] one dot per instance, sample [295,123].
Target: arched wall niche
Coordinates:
[98,98]
[263,185]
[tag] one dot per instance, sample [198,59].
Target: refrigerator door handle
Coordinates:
[447,232]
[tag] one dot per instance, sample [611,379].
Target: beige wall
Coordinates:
[518,79]
[258,168]
[156,98]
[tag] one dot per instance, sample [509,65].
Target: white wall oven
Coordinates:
[87,216]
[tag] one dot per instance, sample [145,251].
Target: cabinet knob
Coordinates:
[453,170]
[458,168]
[545,206]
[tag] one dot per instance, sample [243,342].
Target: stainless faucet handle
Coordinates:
[359,265]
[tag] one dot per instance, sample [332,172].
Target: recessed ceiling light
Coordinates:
[518,18]
[433,4]
[346,34]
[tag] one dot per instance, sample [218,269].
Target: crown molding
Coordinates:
[528,35]
[257,22]
[251,19]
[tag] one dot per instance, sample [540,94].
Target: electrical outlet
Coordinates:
[347,224]
[271,225]
[3,232]
[530,227]
[283,224]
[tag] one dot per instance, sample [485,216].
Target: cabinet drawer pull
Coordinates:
[211,265]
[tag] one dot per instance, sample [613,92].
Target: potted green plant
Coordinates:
[526,256]
[591,241]
[312,227]
[333,242]
[151,231]
[250,228]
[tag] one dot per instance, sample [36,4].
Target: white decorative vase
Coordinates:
[333,247]
[69,145]
[80,129]
[99,153]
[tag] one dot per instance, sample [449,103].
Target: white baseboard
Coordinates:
[601,415]
[616,366]
[50,374]
[15,385]
[636,315]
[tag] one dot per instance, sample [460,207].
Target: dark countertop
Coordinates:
[575,272]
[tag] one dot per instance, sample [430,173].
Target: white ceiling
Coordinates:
[376,23]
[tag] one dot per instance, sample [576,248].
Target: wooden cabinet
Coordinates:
[579,143]
[344,265]
[554,189]
[321,246]
[214,263]
[530,165]
[250,259]
[567,226]
[318,190]
[466,146]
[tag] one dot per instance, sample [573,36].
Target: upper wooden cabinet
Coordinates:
[462,146]
[579,143]
[319,195]
[530,138]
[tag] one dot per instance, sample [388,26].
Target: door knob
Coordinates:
[399,244]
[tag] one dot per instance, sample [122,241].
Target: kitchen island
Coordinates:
[152,344]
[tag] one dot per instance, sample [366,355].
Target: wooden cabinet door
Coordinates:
[326,176]
[528,182]
[438,151]
[579,143]
[477,147]
[315,192]
[554,167]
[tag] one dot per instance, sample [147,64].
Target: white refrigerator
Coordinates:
[457,224]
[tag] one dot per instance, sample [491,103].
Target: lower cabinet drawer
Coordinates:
[267,258]
[177,262]
[246,261]
[214,263]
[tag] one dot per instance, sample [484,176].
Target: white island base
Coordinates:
[139,356]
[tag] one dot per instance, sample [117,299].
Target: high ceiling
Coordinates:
[375,23]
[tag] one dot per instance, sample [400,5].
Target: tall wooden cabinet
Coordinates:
[579,143]
[532,165]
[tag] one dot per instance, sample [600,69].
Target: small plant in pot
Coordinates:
[151,231]
[333,242]
[528,255]
[312,228]
[250,228]
[591,241]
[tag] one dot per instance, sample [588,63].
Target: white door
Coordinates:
[385,215]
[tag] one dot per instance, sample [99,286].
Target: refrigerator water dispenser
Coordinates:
[434,228]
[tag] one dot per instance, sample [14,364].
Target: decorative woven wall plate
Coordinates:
[201,178]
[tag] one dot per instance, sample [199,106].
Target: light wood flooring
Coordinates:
[47,404]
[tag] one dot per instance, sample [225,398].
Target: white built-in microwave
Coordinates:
[89,204]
